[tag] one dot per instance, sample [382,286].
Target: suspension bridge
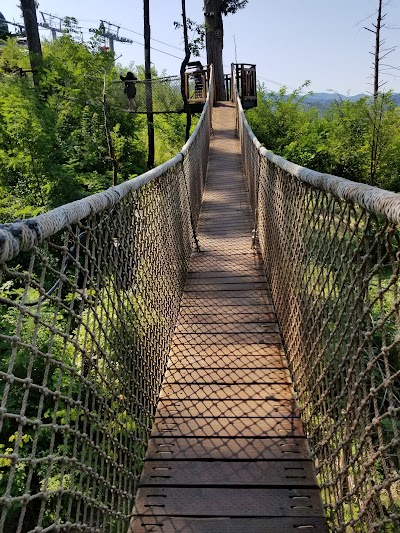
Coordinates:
[210,347]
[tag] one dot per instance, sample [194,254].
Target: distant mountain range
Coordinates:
[323,100]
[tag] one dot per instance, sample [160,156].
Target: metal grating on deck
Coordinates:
[227,452]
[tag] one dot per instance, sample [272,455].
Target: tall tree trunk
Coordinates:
[215,43]
[147,75]
[32,34]
[377,109]
[182,72]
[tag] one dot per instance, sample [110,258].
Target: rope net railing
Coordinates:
[331,249]
[89,296]
[164,94]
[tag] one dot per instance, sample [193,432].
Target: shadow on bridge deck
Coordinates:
[227,452]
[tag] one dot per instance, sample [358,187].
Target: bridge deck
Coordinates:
[227,451]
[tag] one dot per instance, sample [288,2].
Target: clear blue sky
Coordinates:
[289,41]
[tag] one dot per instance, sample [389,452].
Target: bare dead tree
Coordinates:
[379,52]
[182,72]
[380,100]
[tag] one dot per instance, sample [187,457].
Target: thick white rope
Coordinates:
[373,199]
[23,235]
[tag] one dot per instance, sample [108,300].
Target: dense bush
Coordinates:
[53,145]
[357,140]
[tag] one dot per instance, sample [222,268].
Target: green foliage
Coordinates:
[53,150]
[231,6]
[13,55]
[170,132]
[357,140]
[340,142]
[347,127]
[278,118]
[53,146]
[199,30]
[26,142]
[62,375]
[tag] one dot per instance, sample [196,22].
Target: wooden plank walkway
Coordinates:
[227,451]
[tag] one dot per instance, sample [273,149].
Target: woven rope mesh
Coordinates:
[165,94]
[87,315]
[333,266]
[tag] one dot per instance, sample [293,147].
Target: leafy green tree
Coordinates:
[358,140]
[346,141]
[28,146]
[13,55]
[384,139]
[278,117]
[53,145]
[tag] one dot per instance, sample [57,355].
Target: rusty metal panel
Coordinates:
[226,260]
[227,408]
[225,311]
[233,501]
[238,233]
[201,275]
[231,361]
[208,227]
[227,229]
[226,286]
[222,295]
[196,339]
[242,244]
[219,318]
[227,524]
[253,350]
[234,227]
[213,300]
[227,427]
[233,264]
[273,448]
[224,473]
[206,278]
[248,391]
[226,375]
[249,327]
